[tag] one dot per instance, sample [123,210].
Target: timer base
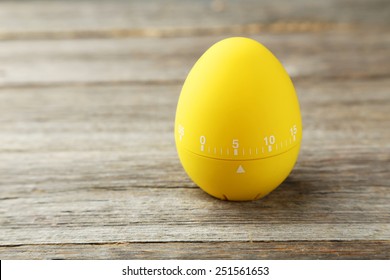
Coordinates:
[238,180]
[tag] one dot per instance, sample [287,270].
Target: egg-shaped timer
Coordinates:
[238,125]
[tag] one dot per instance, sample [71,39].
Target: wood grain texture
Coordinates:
[88,167]
[327,250]
[153,17]
[154,60]
[112,157]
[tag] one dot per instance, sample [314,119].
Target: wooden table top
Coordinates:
[88,165]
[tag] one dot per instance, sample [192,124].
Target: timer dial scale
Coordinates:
[238,125]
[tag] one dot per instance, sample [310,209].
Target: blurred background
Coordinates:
[88,41]
[88,166]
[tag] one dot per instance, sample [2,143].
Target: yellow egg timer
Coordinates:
[238,125]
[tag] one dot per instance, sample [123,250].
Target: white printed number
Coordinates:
[293,130]
[181,131]
[235,144]
[270,140]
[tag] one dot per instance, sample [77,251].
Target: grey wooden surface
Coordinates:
[88,167]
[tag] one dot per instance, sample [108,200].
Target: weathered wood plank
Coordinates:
[98,164]
[87,155]
[26,19]
[204,250]
[172,215]
[315,56]
[49,116]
